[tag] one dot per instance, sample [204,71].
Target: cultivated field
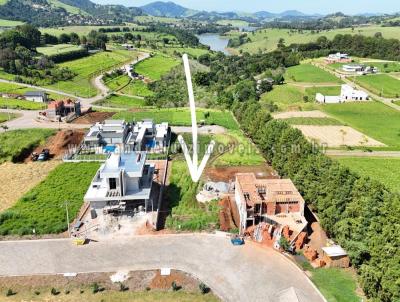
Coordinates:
[55,49]
[385,170]
[337,136]
[310,74]
[88,67]
[156,66]
[372,118]
[43,207]
[267,39]
[17,179]
[316,121]
[380,84]
[300,114]
[181,116]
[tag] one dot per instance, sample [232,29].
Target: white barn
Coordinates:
[347,94]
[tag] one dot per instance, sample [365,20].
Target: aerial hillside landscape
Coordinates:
[161,151]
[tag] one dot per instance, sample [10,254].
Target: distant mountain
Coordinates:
[167,9]
[265,15]
[292,13]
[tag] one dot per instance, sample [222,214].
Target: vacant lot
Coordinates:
[156,66]
[337,136]
[372,118]
[310,74]
[55,49]
[18,89]
[138,88]
[380,84]
[181,116]
[17,179]
[385,170]
[292,114]
[43,208]
[20,104]
[121,101]
[88,67]
[17,144]
[286,97]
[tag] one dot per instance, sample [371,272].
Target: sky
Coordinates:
[306,6]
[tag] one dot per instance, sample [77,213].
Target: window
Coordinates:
[113,183]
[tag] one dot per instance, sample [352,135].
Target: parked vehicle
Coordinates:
[237,240]
[44,155]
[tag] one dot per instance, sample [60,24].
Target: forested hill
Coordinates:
[63,12]
[167,9]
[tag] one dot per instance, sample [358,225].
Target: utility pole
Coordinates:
[66,209]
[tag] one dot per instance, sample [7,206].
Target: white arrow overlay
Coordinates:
[194,169]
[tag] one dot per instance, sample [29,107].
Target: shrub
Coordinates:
[54,292]
[10,292]
[95,288]
[175,287]
[204,289]
[123,287]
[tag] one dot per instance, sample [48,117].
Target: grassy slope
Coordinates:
[310,74]
[42,208]
[267,39]
[14,143]
[385,170]
[156,66]
[20,104]
[88,67]
[181,117]
[9,23]
[69,8]
[18,89]
[59,48]
[4,117]
[137,88]
[122,102]
[380,84]
[373,119]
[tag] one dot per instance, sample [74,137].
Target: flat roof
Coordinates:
[334,251]
[132,163]
[35,93]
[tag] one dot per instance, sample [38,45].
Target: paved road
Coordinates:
[246,273]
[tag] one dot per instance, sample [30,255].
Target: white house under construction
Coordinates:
[123,183]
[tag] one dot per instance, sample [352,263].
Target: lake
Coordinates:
[215,41]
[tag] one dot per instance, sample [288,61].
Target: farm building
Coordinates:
[273,201]
[335,256]
[146,135]
[123,183]
[347,94]
[338,58]
[359,69]
[36,96]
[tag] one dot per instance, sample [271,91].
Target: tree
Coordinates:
[64,38]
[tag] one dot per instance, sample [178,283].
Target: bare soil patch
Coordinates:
[228,214]
[227,173]
[17,179]
[337,136]
[93,117]
[60,142]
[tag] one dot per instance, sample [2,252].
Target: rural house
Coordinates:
[36,96]
[347,93]
[59,109]
[273,201]
[121,184]
[338,58]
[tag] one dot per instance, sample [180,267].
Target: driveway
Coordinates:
[244,273]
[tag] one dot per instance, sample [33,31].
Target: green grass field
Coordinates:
[181,117]
[317,121]
[9,23]
[43,207]
[243,152]
[55,49]
[88,67]
[385,170]
[4,117]
[69,8]
[309,74]
[20,104]
[328,90]
[79,29]
[19,89]
[156,66]
[380,84]
[267,39]
[121,101]
[371,118]
[186,212]
[117,83]
[16,144]
[138,88]
[193,52]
